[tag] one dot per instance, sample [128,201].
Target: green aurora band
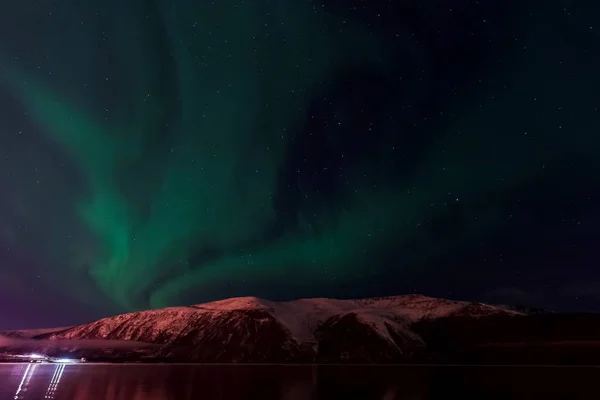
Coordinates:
[228,116]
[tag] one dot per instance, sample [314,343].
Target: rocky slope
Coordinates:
[249,329]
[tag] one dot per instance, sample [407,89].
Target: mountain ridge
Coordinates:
[410,329]
[251,329]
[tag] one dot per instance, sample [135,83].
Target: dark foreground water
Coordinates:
[174,382]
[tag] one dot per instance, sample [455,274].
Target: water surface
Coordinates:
[174,382]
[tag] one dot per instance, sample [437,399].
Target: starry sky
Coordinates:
[157,153]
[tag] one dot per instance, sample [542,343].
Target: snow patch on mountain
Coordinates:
[302,317]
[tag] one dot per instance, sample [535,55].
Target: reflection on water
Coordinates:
[29,372]
[154,382]
[53,386]
[26,378]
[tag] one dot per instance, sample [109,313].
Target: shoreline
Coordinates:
[313,365]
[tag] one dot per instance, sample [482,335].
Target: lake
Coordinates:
[265,382]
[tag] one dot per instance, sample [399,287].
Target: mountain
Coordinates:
[31,333]
[547,339]
[249,329]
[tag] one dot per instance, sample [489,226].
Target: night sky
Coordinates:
[157,153]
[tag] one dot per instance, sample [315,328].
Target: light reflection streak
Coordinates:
[53,386]
[25,380]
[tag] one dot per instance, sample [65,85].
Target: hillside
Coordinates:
[398,329]
[249,329]
[31,333]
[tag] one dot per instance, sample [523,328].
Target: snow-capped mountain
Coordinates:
[249,329]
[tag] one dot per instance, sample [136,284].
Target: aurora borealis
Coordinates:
[160,153]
